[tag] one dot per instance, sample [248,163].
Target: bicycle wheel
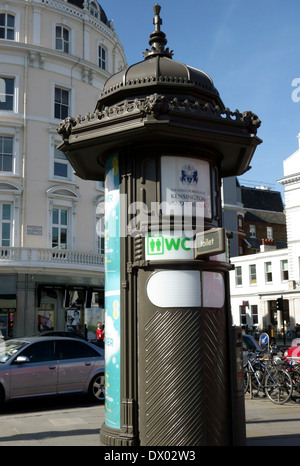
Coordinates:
[295,376]
[278,386]
[246,382]
[257,378]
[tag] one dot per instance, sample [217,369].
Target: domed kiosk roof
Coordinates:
[158,69]
[163,103]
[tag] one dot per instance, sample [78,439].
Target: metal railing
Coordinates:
[45,257]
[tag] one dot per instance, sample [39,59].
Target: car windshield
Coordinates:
[9,348]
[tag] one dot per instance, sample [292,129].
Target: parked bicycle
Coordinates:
[263,374]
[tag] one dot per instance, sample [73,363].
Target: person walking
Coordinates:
[100,335]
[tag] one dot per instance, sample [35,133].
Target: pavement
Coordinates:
[268,424]
[46,424]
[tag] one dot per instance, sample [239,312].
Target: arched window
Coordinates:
[94,9]
[62,39]
[7,92]
[62,204]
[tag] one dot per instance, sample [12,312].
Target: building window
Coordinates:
[59,228]
[100,185]
[94,9]
[268,272]
[7,92]
[238,276]
[254,314]
[102,57]
[62,168]
[6,224]
[243,315]
[100,233]
[269,233]
[252,231]
[62,39]
[252,271]
[6,154]
[61,103]
[284,270]
[7,26]
[100,224]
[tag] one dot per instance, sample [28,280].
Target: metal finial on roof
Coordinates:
[157,38]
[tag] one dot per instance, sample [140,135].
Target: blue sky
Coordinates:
[251,50]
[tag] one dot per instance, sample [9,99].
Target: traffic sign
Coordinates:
[264,339]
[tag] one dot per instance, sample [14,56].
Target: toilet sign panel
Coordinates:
[210,242]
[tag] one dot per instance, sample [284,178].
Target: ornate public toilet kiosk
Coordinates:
[162,140]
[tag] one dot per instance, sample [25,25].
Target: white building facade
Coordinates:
[55,57]
[258,280]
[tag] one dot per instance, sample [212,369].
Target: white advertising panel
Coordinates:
[175,288]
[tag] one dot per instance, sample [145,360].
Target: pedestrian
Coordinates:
[100,335]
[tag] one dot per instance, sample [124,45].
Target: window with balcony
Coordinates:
[6,154]
[59,228]
[268,272]
[100,233]
[5,224]
[252,273]
[7,92]
[62,39]
[7,26]
[102,57]
[61,103]
[61,221]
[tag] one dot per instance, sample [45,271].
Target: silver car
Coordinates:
[37,366]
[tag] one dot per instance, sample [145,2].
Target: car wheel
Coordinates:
[97,388]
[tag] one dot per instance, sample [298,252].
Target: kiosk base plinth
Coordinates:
[117,438]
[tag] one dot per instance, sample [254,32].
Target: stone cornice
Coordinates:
[291,179]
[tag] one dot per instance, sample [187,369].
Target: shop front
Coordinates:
[31,304]
[70,308]
[8,305]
